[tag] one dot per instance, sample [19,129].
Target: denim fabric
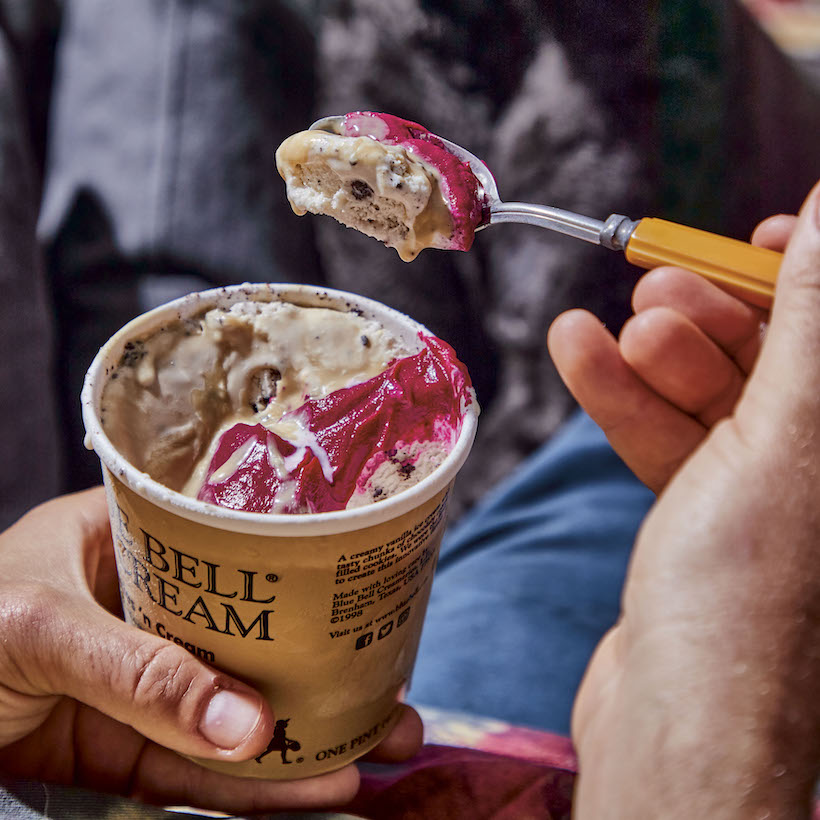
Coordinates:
[529,581]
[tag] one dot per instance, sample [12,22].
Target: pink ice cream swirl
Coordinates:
[459,185]
[348,434]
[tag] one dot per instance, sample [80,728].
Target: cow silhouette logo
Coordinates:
[280,742]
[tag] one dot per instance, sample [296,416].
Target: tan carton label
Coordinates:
[325,627]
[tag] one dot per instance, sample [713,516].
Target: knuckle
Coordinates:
[27,610]
[29,620]
[164,676]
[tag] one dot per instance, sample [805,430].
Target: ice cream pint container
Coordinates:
[320,612]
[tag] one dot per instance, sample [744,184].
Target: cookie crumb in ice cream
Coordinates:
[132,353]
[387,177]
[263,388]
[360,189]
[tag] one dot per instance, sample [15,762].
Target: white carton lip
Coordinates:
[262,523]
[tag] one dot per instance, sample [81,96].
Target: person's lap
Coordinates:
[529,581]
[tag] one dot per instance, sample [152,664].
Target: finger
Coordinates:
[681,363]
[81,558]
[404,740]
[774,232]
[68,536]
[108,756]
[651,435]
[782,388]
[731,323]
[164,778]
[91,508]
[164,692]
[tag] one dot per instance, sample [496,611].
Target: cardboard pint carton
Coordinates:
[321,613]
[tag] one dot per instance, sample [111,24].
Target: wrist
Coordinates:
[751,724]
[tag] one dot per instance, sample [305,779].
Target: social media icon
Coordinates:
[364,640]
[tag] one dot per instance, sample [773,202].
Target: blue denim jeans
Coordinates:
[529,581]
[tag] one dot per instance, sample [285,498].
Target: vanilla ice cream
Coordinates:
[386,177]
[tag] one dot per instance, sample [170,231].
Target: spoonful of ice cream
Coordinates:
[387,177]
[394,180]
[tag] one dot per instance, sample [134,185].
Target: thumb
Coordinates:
[151,684]
[782,387]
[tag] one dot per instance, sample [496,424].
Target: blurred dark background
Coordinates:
[136,153]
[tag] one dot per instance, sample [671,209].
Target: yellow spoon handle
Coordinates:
[747,270]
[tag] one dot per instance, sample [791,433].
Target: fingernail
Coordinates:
[229,718]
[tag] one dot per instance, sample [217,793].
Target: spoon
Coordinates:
[747,270]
